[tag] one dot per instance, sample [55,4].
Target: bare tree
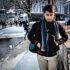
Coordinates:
[23,4]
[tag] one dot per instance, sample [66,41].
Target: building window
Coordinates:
[66,10]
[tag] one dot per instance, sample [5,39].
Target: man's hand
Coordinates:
[38,45]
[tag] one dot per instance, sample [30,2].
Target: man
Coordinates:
[25,25]
[47,55]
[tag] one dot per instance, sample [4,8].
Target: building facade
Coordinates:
[67,7]
[37,5]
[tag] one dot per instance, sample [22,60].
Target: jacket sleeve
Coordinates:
[64,36]
[32,34]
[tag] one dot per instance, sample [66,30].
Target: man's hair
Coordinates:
[49,8]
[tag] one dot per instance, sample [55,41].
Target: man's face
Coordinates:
[49,16]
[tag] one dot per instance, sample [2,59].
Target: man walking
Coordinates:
[45,36]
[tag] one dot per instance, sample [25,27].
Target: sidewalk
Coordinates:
[27,62]
[13,56]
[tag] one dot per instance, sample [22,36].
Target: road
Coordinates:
[11,32]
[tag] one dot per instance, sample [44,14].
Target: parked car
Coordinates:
[62,18]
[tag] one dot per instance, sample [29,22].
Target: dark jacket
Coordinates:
[35,36]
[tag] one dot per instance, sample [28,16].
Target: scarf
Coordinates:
[45,35]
